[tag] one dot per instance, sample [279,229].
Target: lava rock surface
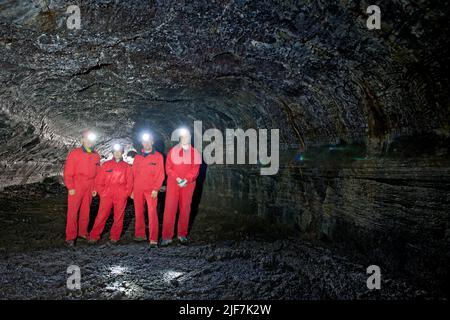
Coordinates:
[229,257]
[244,270]
[309,68]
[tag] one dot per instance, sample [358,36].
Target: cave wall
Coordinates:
[309,68]
[394,212]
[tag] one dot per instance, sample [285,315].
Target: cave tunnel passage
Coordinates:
[364,168]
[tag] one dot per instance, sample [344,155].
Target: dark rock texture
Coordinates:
[394,212]
[310,68]
[248,270]
[251,261]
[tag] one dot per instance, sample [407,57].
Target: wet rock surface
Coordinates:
[240,270]
[308,68]
[392,210]
[256,260]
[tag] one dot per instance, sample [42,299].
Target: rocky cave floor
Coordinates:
[234,258]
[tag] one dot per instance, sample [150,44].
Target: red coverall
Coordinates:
[179,196]
[114,183]
[148,172]
[79,174]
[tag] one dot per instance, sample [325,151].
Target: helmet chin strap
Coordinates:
[89,150]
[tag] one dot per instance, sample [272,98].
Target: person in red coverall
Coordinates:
[80,170]
[148,172]
[182,167]
[114,183]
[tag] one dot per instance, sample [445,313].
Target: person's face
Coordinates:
[185,139]
[147,145]
[117,155]
[87,143]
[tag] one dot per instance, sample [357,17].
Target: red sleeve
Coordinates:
[69,171]
[170,166]
[192,174]
[100,179]
[129,180]
[160,175]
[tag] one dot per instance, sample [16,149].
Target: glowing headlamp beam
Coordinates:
[183,132]
[117,147]
[146,137]
[91,136]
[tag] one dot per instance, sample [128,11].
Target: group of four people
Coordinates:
[115,180]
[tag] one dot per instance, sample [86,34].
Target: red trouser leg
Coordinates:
[185,209]
[152,216]
[102,216]
[73,204]
[83,221]
[170,209]
[119,211]
[139,219]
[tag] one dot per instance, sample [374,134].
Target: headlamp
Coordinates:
[146,137]
[117,147]
[183,132]
[91,136]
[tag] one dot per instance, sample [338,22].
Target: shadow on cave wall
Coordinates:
[198,192]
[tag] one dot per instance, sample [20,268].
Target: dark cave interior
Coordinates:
[364,144]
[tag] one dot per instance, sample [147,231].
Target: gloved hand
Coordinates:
[182,183]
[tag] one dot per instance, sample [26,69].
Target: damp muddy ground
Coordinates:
[229,257]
